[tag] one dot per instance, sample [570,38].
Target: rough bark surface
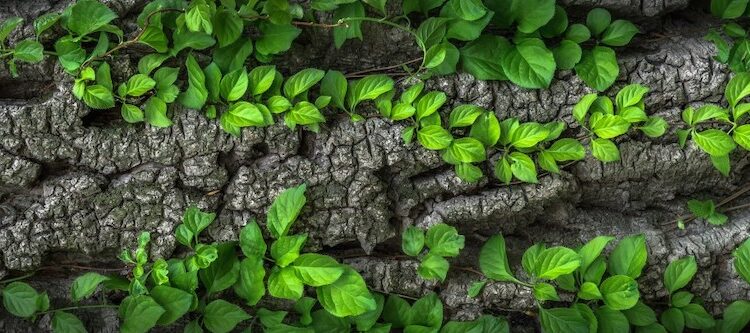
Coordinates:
[77,185]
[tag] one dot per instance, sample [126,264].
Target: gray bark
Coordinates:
[77,185]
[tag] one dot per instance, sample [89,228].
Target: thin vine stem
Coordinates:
[22,277]
[80,307]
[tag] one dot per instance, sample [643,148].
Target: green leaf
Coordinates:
[640,315]
[696,317]
[131,113]
[567,54]
[227,26]
[29,50]
[605,150]
[287,248]
[156,112]
[468,172]
[20,299]
[412,241]
[609,126]
[283,283]
[655,127]
[7,26]
[578,33]
[434,56]
[591,250]
[566,149]
[278,104]
[482,57]
[620,292]
[87,16]
[589,291]
[155,38]
[530,64]
[139,314]
[681,298]
[736,317]
[611,320]
[223,272]
[427,311]
[233,56]
[742,260]
[629,256]
[317,270]
[464,115]
[275,38]
[433,267]
[728,9]
[714,142]
[63,322]
[137,85]
[486,129]
[251,241]
[250,285]
[430,103]
[493,260]
[679,273]
[630,95]
[557,25]
[302,81]
[737,89]
[467,150]
[707,112]
[598,20]
[431,31]
[175,302]
[562,320]
[444,240]
[69,54]
[396,311]
[533,14]
[353,29]
[198,17]
[556,261]
[98,97]
[196,94]
[545,292]
[673,320]
[334,84]
[348,296]
[221,316]
[619,33]
[582,107]
[528,135]
[598,68]
[523,167]
[285,209]
[369,88]
[476,288]
[434,137]
[197,220]
[85,285]
[234,85]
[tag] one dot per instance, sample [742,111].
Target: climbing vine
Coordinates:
[196,55]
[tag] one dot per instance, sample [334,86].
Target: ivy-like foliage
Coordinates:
[731,41]
[27,50]
[442,241]
[194,286]
[718,130]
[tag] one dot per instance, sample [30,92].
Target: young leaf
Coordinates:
[283,283]
[433,267]
[630,95]
[714,142]
[430,103]
[85,285]
[434,137]
[464,115]
[334,84]
[468,172]
[221,316]
[655,127]
[566,149]
[156,112]
[620,292]
[348,296]
[476,288]
[285,209]
[198,17]
[605,150]
[529,64]
[412,241]
[556,261]
[196,94]
[486,129]
[287,248]
[679,273]
[20,299]
[7,26]
[63,322]
[467,150]
[234,85]
[317,270]
[493,260]
[139,314]
[302,81]
[545,292]
[98,97]
[523,167]
[629,257]
[250,285]
[619,33]
[369,88]
[598,68]
[131,113]
[444,240]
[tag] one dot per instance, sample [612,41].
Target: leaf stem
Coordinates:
[22,277]
[80,307]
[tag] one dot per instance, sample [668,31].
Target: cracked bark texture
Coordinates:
[77,185]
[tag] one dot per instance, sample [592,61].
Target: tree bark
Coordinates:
[77,185]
